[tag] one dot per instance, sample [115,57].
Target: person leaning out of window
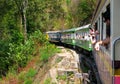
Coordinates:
[106,41]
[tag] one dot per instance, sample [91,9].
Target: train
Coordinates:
[107,57]
[77,37]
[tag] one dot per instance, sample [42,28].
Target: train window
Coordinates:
[98,38]
[106,28]
[76,36]
[99,28]
[64,36]
[102,27]
[72,36]
[79,36]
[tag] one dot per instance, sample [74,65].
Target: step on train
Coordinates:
[101,37]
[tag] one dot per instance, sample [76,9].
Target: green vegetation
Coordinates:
[22,27]
[62,77]
[70,73]
[47,81]
[47,51]
[28,81]
[27,77]
[22,76]
[85,11]
[20,53]
[58,59]
[31,73]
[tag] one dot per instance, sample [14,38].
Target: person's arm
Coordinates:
[105,41]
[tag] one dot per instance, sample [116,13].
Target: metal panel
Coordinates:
[115,25]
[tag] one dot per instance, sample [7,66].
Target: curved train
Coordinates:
[77,37]
[107,57]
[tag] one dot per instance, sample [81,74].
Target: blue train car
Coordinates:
[54,36]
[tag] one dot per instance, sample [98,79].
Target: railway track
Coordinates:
[87,61]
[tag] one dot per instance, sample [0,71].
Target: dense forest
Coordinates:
[23,23]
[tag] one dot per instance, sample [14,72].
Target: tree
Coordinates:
[85,11]
[44,15]
[22,7]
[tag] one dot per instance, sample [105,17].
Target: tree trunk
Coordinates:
[21,26]
[22,5]
[24,27]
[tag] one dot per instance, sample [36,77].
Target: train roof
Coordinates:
[99,7]
[76,29]
[53,31]
[83,27]
[69,30]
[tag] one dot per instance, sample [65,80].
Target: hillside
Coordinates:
[24,22]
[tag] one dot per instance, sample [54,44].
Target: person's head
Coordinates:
[107,22]
[106,16]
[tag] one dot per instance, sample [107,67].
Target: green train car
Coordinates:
[82,38]
[77,37]
[68,36]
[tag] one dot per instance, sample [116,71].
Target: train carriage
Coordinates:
[82,38]
[107,58]
[53,36]
[68,36]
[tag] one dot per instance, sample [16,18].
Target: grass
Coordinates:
[28,81]
[27,77]
[31,73]
[22,76]
[47,51]
[47,81]
[62,77]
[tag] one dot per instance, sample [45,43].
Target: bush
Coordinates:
[20,53]
[4,57]
[47,51]
[38,37]
[14,53]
